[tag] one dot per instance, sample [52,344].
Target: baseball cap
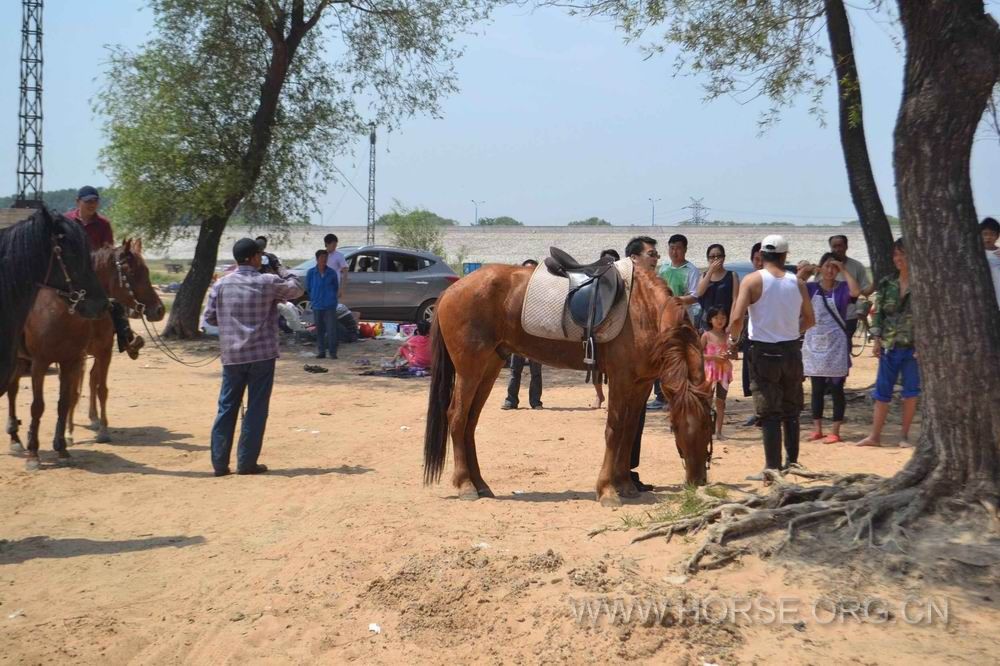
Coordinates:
[87,193]
[774,243]
[245,248]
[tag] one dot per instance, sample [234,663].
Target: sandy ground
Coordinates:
[134,552]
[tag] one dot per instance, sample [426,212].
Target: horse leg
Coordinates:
[482,394]
[37,409]
[467,381]
[13,423]
[69,384]
[95,423]
[99,391]
[613,481]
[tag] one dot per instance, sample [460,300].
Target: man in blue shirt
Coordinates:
[323,284]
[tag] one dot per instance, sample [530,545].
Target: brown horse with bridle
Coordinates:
[53,334]
[477,325]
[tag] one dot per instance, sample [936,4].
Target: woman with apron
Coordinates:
[825,357]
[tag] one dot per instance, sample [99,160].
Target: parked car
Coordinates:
[391,283]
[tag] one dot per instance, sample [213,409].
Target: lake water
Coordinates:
[515,244]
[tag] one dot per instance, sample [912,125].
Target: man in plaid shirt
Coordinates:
[243,305]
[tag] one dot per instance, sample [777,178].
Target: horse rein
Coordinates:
[74,296]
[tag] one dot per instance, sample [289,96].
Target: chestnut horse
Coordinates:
[53,335]
[477,325]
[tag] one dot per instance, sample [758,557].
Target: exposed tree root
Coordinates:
[869,510]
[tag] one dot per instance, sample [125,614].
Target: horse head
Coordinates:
[682,376]
[69,265]
[132,286]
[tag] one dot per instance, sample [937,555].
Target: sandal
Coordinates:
[315,368]
[832,439]
[817,435]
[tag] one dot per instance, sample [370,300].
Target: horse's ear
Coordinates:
[137,246]
[127,246]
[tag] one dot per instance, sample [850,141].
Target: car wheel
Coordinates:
[426,311]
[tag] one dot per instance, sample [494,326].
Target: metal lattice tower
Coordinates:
[29,137]
[371,189]
[698,211]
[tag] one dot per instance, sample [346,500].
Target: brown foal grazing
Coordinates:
[477,324]
[53,335]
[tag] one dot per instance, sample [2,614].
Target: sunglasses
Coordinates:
[653,254]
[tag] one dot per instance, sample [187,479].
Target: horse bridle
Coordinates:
[139,306]
[74,296]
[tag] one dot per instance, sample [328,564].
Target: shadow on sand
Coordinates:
[43,547]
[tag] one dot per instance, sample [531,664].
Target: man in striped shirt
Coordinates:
[244,306]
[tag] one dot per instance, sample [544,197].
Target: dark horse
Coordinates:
[42,252]
[53,335]
[477,324]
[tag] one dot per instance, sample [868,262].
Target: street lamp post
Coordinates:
[652,212]
[476,204]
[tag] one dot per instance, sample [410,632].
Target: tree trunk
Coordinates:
[185,314]
[864,191]
[186,311]
[952,64]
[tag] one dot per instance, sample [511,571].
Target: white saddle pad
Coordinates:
[545,316]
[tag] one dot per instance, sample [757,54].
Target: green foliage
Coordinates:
[502,221]
[61,201]
[198,125]
[590,222]
[675,506]
[746,49]
[426,216]
[416,229]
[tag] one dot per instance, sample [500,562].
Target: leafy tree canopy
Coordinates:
[416,229]
[502,221]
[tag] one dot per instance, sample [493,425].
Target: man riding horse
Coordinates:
[100,234]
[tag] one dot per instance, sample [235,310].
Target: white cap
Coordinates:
[774,243]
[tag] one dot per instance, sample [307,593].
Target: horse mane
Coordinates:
[678,346]
[24,258]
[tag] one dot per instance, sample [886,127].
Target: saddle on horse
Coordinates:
[594,289]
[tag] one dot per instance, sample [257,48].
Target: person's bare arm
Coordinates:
[751,283]
[852,283]
[807,318]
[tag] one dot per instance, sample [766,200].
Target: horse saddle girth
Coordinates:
[569,301]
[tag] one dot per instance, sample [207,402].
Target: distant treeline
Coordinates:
[61,200]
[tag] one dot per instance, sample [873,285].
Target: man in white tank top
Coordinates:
[780,312]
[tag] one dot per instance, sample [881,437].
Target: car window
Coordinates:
[403,263]
[365,262]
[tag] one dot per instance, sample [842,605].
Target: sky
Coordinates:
[557,120]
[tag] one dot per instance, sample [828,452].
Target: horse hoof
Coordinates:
[103,437]
[486,492]
[32,464]
[611,502]
[16,448]
[95,424]
[63,454]
[628,491]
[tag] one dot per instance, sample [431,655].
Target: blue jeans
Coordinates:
[326,332]
[256,379]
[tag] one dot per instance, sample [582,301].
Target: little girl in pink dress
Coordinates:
[718,367]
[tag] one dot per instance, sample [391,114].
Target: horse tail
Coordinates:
[439,399]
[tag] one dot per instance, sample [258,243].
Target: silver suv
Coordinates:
[391,283]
